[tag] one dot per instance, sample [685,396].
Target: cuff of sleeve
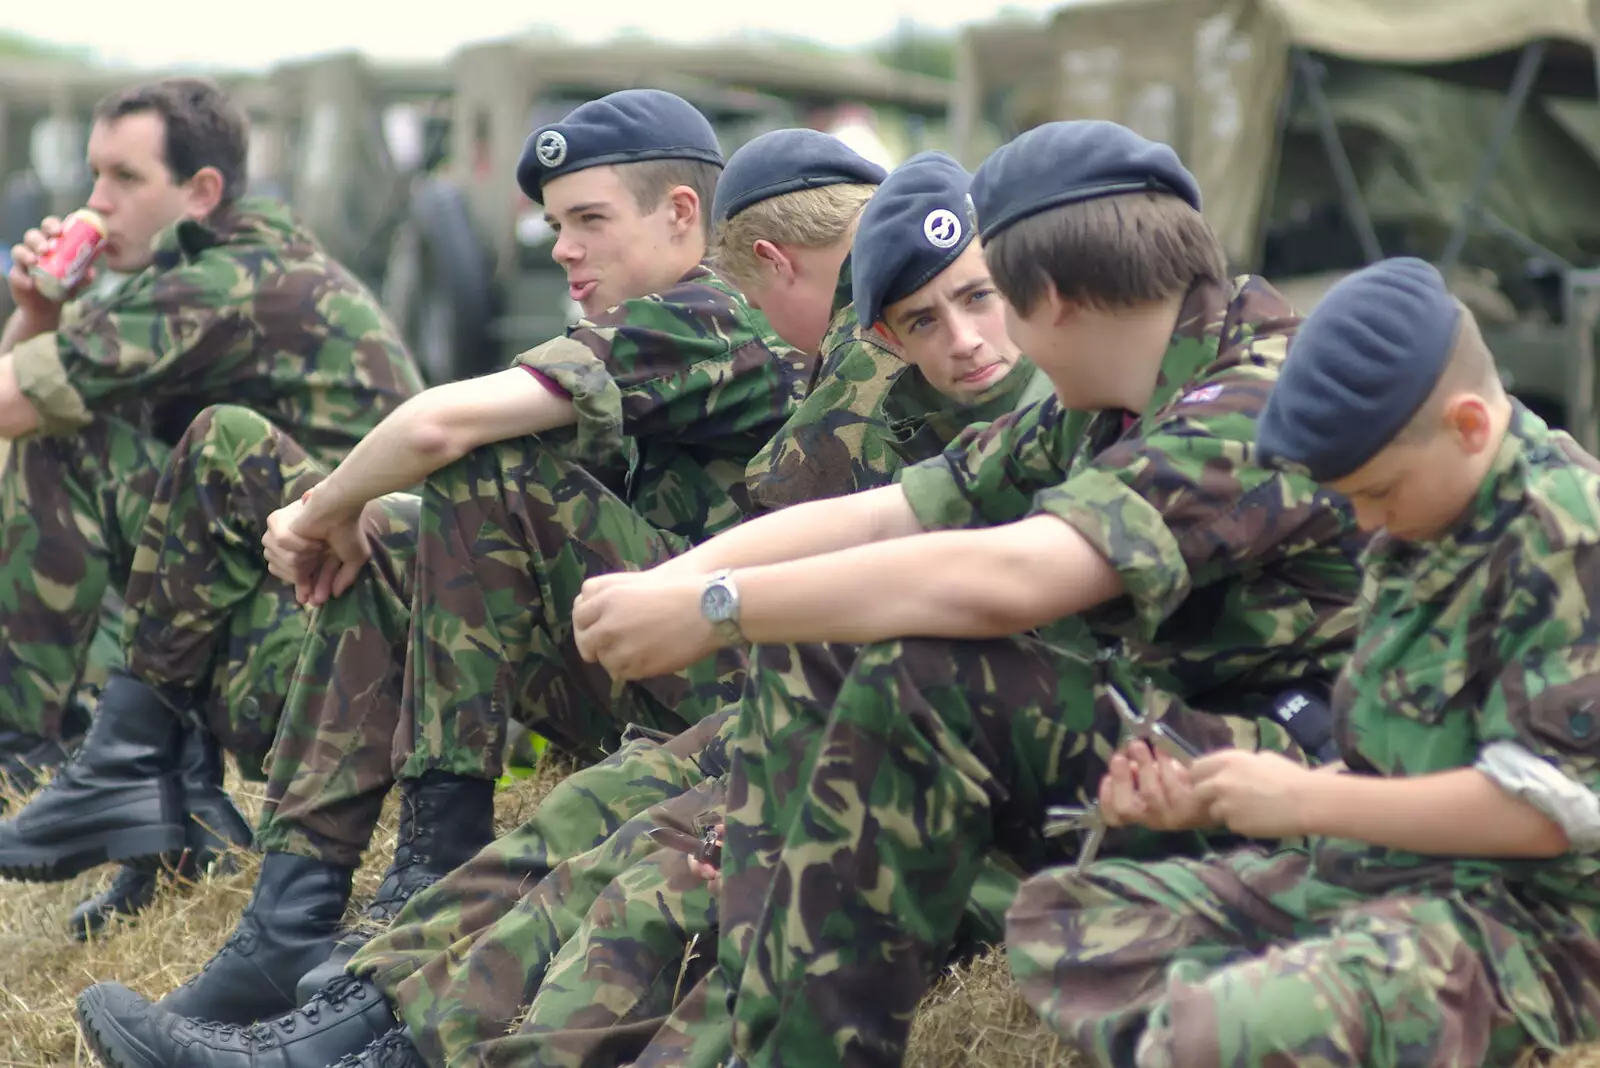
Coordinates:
[1541,784]
[570,367]
[42,378]
[935,496]
[1130,533]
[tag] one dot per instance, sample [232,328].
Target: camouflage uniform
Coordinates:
[868,783]
[1346,953]
[674,393]
[462,1004]
[248,311]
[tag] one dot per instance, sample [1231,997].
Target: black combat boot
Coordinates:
[117,799]
[444,820]
[287,929]
[214,828]
[393,1050]
[24,757]
[127,1031]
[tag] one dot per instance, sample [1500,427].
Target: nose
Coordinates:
[1370,516]
[98,200]
[566,251]
[965,338]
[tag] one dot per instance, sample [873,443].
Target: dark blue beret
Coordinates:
[630,126]
[785,161]
[1360,366]
[917,223]
[1065,162]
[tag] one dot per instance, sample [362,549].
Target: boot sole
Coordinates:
[114,1047]
[53,864]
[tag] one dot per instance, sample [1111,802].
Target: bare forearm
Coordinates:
[20,328]
[1452,813]
[433,430]
[949,584]
[804,530]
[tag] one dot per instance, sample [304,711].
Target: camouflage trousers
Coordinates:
[1251,959]
[71,508]
[206,624]
[867,787]
[429,962]
[509,534]
[464,620]
[342,736]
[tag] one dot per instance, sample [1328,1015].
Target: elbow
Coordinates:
[999,609]
[436,440]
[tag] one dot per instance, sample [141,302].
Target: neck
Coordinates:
[1138,339]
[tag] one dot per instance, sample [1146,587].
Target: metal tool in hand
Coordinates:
[1059,819]
[707,848]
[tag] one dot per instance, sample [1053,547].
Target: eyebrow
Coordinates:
[913,313]
[579,209]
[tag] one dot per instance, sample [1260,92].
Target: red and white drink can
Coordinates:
[66,259]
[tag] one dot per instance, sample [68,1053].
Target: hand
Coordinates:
[641,624]
[711,873]
[1260,795]
[40,313]
[321,557]
[1149,788]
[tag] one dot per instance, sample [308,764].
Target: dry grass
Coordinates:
[972,1019]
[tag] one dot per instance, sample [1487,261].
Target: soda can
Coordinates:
[66,259]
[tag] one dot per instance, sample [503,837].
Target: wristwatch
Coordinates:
[719,603]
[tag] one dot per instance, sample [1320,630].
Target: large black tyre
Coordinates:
[438,285]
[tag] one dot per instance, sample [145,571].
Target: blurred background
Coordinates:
[1325,133]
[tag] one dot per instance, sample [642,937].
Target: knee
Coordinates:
[225,428]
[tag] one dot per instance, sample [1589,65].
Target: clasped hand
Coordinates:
[1256,794]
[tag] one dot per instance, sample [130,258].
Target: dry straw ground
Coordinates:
[973,1019]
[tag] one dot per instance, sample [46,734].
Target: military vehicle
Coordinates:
[1329,133]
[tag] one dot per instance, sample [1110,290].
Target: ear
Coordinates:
[203,193]
[772,257]
[1467,416]
[684,205]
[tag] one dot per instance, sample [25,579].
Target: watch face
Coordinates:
[716,603]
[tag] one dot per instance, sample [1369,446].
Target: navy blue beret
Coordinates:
[630,126]
[1065,162]
[917,223]
[785,161]
[1360,366]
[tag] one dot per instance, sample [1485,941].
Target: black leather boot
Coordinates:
[24,757]
[444,820]
[215,826]
[393,1050]
[117,799]
[287,929]
[213,829]
[127,1031]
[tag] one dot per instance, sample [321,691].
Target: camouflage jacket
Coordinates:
[866,415]
[247,310]
[1485,636]
[1235,575]
[675,392]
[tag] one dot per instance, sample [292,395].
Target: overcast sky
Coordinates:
[260,32]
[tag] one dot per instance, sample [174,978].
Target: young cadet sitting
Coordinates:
[869,784]
[1446,910]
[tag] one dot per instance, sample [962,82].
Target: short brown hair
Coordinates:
[651,180]
[203,127]
[1112,252]
[806,218]
[1469,369]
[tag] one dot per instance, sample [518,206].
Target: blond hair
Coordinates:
[807,218]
